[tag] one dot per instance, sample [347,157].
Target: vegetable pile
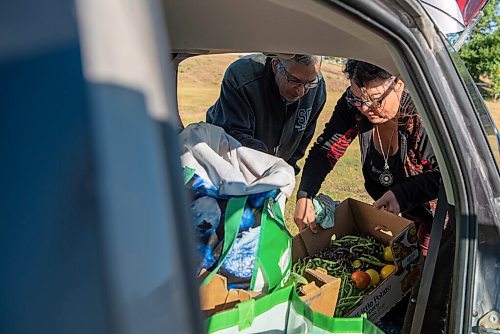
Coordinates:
[361,263]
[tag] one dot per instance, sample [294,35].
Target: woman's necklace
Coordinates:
[386,178]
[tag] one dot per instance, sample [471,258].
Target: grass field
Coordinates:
[199,86]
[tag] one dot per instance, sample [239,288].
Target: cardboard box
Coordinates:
[215,297]
[322,292]
[354,217]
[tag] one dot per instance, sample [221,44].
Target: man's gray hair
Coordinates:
[307,60]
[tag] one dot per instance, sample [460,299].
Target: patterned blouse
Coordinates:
[415,172]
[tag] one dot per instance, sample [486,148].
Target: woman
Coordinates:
[399,166]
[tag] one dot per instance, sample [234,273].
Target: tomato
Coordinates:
[387,270]
[374,277]
[388,256]
[362,279]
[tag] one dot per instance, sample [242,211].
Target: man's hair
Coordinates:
[307,60]
[363,73]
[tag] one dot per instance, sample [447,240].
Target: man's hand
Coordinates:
[304,215]
[389,202]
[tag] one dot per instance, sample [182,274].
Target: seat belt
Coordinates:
[430,262]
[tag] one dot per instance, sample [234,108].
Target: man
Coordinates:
[271,103]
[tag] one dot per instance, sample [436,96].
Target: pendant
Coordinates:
[386,178]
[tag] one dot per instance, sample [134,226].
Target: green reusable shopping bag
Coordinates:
[301,319]
[267,314]
[238,200]
[272,259]
[272,263]
[282,311]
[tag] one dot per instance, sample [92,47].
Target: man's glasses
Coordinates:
[370,104]
[292,80]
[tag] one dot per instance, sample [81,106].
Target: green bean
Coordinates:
[345,299]
[350,237]
[350,303]
[338,312]
[342,288]
[347,304]
[350,290]
[371,261]
[330,261]
[373,258]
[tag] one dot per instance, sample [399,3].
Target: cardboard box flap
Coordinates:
[321,294]
[318,275]
[344,224]
[299,249]
[310,288]
[238,295]
[315,242]
[215,297]
[213,293]
[382,225]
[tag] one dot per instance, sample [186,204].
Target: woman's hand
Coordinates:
[304,215]
[389,202]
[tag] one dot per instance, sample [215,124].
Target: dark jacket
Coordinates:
[251,109]
[414,167]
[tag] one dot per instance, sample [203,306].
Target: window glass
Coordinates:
[199,81]
[489,110]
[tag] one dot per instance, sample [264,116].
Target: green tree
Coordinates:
[481,53]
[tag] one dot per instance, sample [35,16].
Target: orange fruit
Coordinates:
[387,270]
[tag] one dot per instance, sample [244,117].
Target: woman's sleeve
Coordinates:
[338,134]
[424,186]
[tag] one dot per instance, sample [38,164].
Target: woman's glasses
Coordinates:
[292,80]
[370,104]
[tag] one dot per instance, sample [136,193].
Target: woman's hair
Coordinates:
[362,73]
